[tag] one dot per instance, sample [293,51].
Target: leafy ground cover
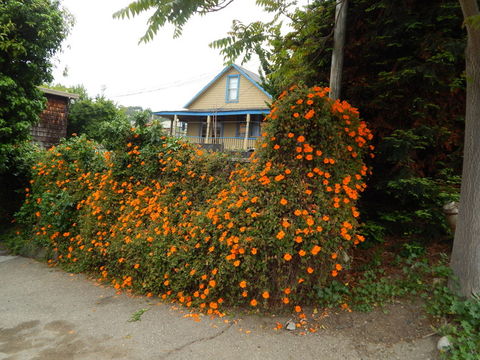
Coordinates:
[417,278]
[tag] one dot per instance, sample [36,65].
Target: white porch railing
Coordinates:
[229,143]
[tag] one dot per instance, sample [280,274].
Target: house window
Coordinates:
[233,85]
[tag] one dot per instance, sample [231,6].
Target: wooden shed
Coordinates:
[53,121]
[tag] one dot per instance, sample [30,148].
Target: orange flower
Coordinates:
[253,302]
[298,308]
[136,266]
[301,139]
[310,270]
[316,249]
[212,283]
[213,305]
[276,147]
[334,256]
[287,257]
[283,201]
[291,135]
[285,300]
[302,252]
[254,251]
[265,295]
[334,273]
[243,284]
[280,235]
[338,267]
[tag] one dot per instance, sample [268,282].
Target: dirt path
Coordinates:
[46,313]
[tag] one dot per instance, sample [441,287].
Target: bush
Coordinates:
[162,217]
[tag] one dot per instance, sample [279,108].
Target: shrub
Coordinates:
[163,217]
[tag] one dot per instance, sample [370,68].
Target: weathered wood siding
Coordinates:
[53,122]
[250,97]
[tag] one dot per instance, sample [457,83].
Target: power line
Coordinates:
[165,86]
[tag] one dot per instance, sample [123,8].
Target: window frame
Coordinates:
[228,88]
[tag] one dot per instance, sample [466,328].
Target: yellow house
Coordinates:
[225,114]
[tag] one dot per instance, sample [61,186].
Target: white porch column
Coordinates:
[247,130]
[175,125]
[207,136]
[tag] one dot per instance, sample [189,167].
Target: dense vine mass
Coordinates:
[168,219]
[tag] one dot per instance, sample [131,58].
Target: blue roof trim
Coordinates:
[206,113]
[236,67]
[241,71]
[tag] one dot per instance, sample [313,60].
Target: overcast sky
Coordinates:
[103,54]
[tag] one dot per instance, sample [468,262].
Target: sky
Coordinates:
[104,55]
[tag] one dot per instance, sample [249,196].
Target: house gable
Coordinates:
[215,95]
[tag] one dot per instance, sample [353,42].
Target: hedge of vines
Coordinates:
[165,218]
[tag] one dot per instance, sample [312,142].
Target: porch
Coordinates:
[223,130]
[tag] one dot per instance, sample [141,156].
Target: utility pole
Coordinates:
[338,44]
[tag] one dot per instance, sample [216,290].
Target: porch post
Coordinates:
[207,136]
[171,127]
[175,124]
[247,130]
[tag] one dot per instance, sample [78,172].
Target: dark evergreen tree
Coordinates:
[404,69]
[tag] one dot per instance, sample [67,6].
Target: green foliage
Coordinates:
[31,32]
[176,13]
[137,315]
[158,216]
[404,64]
[390,49]
[460,318]
[136,115]
[461,321]
[97,119]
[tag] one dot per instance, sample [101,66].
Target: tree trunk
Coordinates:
[338,44]
[465,260]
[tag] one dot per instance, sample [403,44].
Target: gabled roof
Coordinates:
[250,76]
[59,93]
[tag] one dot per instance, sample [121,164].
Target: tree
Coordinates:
[89,116]
[31,33]
[389,47]
[465,260]
[176,13]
